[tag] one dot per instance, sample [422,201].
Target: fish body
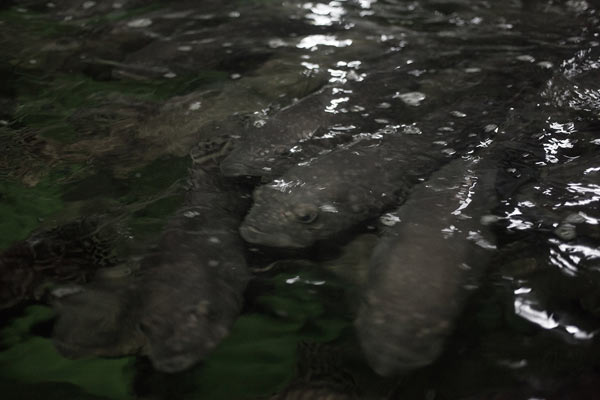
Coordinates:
[181,301]
[267,140]
[191,287]
[423,267]
[338,191]
[97,319]
[326,195]
[317,124]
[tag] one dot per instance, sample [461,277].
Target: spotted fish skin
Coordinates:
[191,286]
[423,267]
[182,298]
[338,191]
[261,145]
[328,195]
[321,375]
[317,124]
[69,253]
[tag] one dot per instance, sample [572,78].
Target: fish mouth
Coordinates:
[256,236]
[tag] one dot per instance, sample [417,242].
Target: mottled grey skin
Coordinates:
[338,191]
[320,375]
[192,285]
[268,140]
[326,196]
[98,319]
[317,124]
[421,268]
[182,301]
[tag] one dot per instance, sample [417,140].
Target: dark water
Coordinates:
[106,107]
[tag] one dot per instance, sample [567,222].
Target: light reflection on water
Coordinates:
[314,41]
[589,193]
[325,14]
[419,37]
[529,309]
[576,252]
[298,279]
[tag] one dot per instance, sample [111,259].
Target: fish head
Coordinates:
[94,321]
[182,326]
[182,338]
[296,214]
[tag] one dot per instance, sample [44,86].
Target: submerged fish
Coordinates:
[338,191]
[266,141]
[98,319]
[191,287]
[183,299]
[423,266]
[317,124]
[327,195]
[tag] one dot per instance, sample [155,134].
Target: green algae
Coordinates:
[47,105]
[34,360]
[150,220]
[158,188]
[44,391]
[255,360]
[20,327]
[22,208]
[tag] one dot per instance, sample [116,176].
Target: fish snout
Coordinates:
[250,234]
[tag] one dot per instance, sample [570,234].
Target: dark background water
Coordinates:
[103,102]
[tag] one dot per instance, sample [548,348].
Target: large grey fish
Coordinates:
[385,98]
[183,299]
[191,288]
[340,190]
[327,195]
[266,141]
[99,318]
[423,266]
[317,124]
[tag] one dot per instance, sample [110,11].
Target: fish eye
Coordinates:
[306,213]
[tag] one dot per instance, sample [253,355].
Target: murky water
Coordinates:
[417,184]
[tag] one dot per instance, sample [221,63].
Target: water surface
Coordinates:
[105,106]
